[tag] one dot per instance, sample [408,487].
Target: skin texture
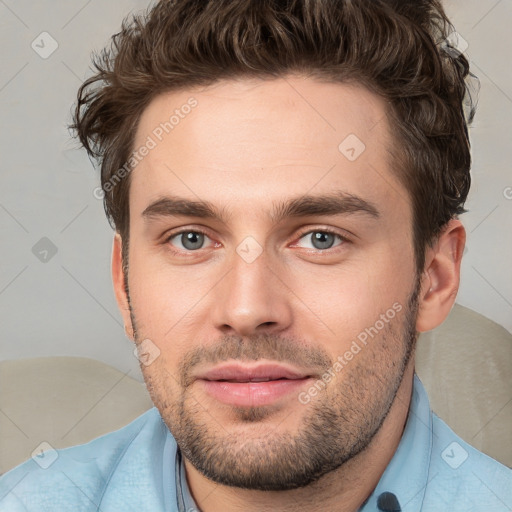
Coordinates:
[247,147]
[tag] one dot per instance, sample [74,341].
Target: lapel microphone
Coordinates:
[388,502]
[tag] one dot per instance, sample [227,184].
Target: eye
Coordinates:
[189,240]
[322,240]
[193,240]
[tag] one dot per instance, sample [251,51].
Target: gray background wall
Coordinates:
[63,303]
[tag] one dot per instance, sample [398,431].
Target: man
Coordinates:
[285,180]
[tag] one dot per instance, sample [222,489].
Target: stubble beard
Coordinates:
[252,453]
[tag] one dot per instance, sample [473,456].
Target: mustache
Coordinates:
[253,348]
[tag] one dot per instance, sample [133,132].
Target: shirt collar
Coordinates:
[406,475]
[185,501]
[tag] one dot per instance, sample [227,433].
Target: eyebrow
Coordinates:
[337,203]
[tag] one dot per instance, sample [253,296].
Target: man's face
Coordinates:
[279,334]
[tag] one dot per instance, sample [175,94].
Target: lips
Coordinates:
[251,385]
[260,373]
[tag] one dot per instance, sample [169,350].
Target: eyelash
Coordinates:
[344,240]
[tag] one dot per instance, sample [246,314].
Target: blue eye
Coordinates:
[322,240]
[190,240]
[194,240]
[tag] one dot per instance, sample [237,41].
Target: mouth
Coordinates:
[253,385]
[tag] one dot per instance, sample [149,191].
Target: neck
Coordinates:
[343,490]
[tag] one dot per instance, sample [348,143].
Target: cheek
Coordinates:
[162,382]
[165,298]
[342,301]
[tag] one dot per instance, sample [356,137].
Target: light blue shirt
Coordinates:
[139,468]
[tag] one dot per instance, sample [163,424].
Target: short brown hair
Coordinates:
[396,48]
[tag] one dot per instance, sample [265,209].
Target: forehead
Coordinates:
[261,140]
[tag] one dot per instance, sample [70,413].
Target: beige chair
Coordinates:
[62,401]
[465,364]
[466,367]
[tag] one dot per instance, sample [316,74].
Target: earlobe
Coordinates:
[119,284]
[441,277]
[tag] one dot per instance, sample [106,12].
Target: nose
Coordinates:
[251,298]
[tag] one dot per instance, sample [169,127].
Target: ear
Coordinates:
[441,277]
[119,288]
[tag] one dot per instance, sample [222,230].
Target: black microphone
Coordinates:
[388,502]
